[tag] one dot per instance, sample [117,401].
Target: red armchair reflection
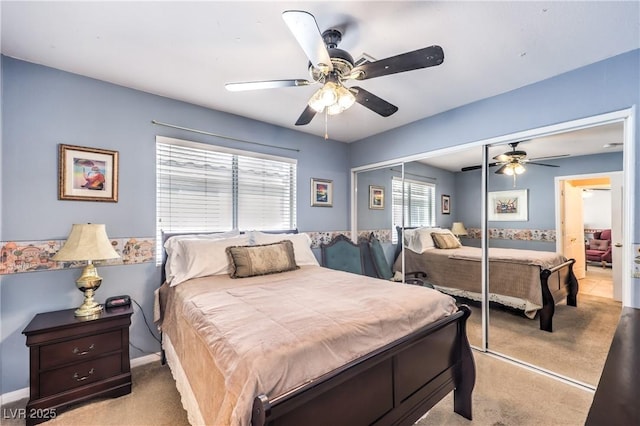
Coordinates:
[598,248]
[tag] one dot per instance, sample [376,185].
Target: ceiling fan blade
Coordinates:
[374,103]
[305,29]
[306,116]
[421,58]
[501,170]
[541,164]
[268,84]
[551,157]
[468,168]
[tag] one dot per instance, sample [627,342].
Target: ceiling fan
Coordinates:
[332,67]
[512,162]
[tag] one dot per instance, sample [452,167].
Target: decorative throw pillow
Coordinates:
[249,261]
[601,245]
[445,240]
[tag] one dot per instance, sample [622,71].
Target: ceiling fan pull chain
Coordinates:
[514,180]
[326,124]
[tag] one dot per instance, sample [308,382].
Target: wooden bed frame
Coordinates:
[403,380]
[548,303]
[393,385]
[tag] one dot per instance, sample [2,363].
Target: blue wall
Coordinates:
[43,107]
[603,87]
[540,183]
[369,219]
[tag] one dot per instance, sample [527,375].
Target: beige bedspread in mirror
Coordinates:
[237,338]
[513,273]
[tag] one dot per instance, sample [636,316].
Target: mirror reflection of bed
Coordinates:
[581,335]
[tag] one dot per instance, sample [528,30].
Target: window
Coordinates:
[205,188]
[419,204]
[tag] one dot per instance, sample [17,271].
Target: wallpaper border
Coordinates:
[32,256]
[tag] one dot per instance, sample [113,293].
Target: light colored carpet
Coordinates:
[577,348]
[505,394]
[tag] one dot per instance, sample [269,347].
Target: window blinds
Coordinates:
[204,188]
[417,205]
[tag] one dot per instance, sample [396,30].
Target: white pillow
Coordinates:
[205,257]
[421,240]
[301,245]
[174,251]
[408,235]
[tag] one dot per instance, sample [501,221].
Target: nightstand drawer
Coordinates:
[76,375]
[78,350]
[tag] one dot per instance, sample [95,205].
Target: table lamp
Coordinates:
[458,229]
[87,242]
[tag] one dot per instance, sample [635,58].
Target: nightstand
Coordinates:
[73,359]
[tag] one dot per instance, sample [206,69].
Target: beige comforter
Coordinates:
[237,338]
[512,273]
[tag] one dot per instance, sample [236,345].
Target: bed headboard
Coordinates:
[166,235]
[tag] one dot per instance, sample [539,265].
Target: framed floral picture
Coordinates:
[321,193]
[87,174]
[376,197]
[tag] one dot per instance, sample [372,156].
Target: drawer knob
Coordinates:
[79,353]
[79,379]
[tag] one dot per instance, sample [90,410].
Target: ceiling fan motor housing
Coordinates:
[342,63]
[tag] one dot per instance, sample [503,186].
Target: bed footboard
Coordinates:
[395,384]
[555,278]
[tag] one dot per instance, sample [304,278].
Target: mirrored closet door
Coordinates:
[447,192]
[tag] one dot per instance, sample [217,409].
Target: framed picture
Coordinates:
[87,174]
[321,193]
[376,197]
[508,205]
[446,204]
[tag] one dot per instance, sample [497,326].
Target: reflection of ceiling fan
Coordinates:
[331,67]
[512,162]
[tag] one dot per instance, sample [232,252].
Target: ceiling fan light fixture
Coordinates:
[333,96]
[345,98]
[519,169]
[334,109]
[329,94]
[316,102]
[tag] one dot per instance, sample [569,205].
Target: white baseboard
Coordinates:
[17,395]
[147,359]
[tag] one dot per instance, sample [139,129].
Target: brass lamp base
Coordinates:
[88,283]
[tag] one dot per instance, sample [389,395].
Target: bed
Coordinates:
[309,345]
[528,280]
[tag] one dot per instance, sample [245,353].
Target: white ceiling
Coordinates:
[189,50]
[600,139]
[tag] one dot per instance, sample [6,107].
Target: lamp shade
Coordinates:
[86,242]
[458,229]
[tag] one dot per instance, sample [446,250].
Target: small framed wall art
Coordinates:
[446,204]
[321,193]
[376,197]
[87,174]
[508,205]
